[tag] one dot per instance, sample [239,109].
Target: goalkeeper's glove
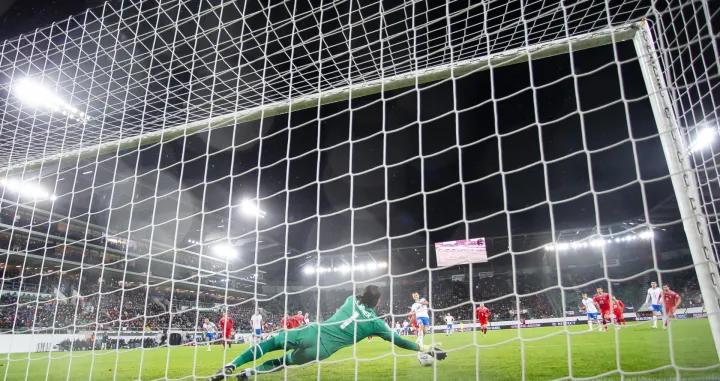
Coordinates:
[434,352]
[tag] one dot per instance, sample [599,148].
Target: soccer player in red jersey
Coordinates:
[671,301]
[618,309]
[413,322]
[482,314]
[289,322]
[226,327]
[602,302]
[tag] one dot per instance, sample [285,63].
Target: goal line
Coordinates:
[579,42]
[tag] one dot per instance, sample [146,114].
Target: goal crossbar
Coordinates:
[578,42]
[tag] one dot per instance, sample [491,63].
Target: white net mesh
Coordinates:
[164,162]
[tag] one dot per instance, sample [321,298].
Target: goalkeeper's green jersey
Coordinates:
[353,322]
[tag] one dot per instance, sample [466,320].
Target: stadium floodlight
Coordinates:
[703,139]
[248,207]
[344,269]
[28,190]
[599,242]
[309,270]
[649,234]
[35,95]
[224,250]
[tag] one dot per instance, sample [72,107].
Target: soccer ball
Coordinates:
[425,359]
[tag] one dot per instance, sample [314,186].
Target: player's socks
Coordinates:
[255,352]
[590,324]
[654,320]
[266,367]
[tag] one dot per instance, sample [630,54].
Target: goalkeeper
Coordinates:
[354,321]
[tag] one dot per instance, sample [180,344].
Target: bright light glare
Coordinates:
[28,190]
[249,208]
[703,139]
[345,268]
[599,242]
[224,250]
[34,94]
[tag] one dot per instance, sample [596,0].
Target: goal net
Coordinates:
[169,165]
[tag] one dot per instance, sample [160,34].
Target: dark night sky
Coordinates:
[490,188]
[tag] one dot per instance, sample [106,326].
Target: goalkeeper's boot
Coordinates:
[244,375]
[224,373]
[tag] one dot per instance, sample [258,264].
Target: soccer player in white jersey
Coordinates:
[406,326]
[256,324]
[420,308]
[654,299]
[210,331]
[449,321]
[591,310]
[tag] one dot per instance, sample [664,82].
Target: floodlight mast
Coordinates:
[683,179]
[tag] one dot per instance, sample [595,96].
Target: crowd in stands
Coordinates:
[118,306]
[82,244]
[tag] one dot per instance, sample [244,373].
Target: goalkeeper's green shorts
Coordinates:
[304,345]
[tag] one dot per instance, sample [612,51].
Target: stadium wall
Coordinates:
[28,343]
[42,342]
[688,313]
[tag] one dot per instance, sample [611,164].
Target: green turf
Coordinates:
[496,357]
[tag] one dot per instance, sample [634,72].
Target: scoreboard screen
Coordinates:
[461,252]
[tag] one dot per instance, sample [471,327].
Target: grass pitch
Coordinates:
[549,353]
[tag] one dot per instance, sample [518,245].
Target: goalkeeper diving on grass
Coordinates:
[353,322]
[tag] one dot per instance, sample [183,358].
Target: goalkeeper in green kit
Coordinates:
[354,321]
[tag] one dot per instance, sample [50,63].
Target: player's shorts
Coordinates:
[423,320]
[210,336]
[657,307]
[483,322]
[258,331]
[605,312]
[449,326]
[592,315]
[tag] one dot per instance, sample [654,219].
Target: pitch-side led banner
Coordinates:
[461,252]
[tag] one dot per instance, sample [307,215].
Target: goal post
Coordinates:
[683,178]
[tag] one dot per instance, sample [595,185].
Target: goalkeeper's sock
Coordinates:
[271,365]
[255,352]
